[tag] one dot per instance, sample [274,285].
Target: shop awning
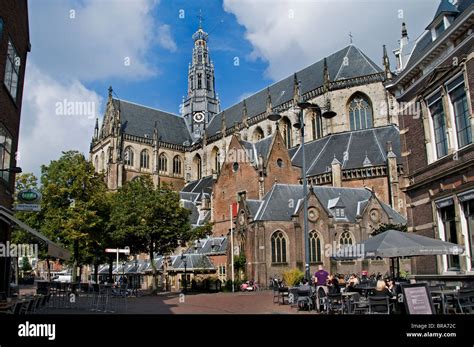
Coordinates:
[53,249]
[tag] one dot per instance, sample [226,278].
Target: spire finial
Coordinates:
[110,92]
[404,30]
[350,37]
[200,19]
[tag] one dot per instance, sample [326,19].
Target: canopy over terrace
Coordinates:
[396,244]
[53,249]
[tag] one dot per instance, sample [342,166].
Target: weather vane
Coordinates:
[350,37]
[200,19]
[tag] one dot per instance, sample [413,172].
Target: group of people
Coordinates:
[333,283]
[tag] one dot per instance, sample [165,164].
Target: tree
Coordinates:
[201,231]
[149,219]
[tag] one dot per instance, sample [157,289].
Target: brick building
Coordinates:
[434,88]
[14,46]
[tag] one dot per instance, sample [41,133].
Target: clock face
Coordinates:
[375,215]
[313,214]
[241,219]
[198,117]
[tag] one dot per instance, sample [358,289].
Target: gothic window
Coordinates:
[257,134]
[346,239]
[163,163]
[286,132]
[315,247]
[12,70]
[278,242]
[199,80]
[144,159]
[208,82]
[102,161]
[96,163]
[198,166]
[360,112]
[316,126]
[216,160]
[177,165]
[457,94]
[435,105]
[128,156]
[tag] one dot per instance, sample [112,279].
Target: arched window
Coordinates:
[278,241]
[316,126]
[360,112]
[163,163]
[96,163]
[102,161]
[216,165]
[177,165]
[128,156]
[144,159]
[257,134]
[346,239]
[315,247]
[286,132]
[198,166]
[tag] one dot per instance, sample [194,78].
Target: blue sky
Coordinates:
[79,48]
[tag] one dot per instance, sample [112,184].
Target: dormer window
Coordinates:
[339,212]
[438,30]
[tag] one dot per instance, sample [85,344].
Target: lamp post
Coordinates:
[275,117]
[185,280]
[16,170]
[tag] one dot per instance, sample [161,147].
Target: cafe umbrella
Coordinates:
[394,244]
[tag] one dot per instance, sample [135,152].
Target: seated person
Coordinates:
[333,286]
[305,285]
[381,290]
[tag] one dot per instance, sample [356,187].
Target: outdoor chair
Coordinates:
[358,304]
[27,306]
[284,295]
[276,292]
[293,297]
[305,299]
[18,308]
[335,303]
[437,298]
[321,300]
[379,305]
[465,300]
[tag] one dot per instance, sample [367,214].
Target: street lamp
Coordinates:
[302,105]
[185,280]
[15,169]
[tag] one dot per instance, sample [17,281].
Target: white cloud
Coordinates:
[44,132]
[93,40]
[165,39]
[291,34]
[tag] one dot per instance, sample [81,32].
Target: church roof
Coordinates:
[261,147]
[209,246]
[275,206]
[198,186]
[347,63]
[425,42]
[352,149]
[139,120]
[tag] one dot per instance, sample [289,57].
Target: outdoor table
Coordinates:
[346,297]
[444,297]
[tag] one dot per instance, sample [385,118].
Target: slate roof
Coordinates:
[202,185]
[311,78]
[139,120]
[425,42]
[351,149]
[254,206]
[276,206]
[254,150]
[209,246]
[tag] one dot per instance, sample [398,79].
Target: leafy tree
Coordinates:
[25,264]
[149,219]
[201,231]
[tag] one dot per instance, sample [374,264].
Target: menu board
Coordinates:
[417,299]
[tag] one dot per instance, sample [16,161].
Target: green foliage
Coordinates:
[240,262]
[25,265]
[148,219]
[75,207]
[387,226]
[293,277]
[201,232]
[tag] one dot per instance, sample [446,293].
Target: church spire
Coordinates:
[245,115]
[202,103]
[386,64]
[326,76]
[269,102]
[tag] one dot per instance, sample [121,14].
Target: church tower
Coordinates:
[201,103]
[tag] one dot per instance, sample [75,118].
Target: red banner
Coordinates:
[235,209]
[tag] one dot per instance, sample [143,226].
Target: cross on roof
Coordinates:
[200,19]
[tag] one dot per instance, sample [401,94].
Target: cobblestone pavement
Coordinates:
[216,303]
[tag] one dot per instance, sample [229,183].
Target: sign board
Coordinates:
[125,250]
[418,299]
[28,200]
